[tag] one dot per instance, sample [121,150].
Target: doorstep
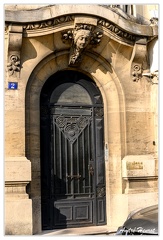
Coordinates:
[92,230]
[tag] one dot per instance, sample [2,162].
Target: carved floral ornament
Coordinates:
[137,72]
[140,66]
[13,65]
[15,33]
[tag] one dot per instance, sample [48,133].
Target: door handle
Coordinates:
[91,169]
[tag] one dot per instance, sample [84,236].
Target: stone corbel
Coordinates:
[80,37]
[139,57]
[14,50]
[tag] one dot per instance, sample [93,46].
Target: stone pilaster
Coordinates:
[18,206]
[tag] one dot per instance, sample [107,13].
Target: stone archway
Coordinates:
[72,152]
[114,121]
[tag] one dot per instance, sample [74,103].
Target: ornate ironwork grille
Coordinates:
[72,152]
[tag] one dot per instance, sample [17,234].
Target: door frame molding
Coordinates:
[114,122]
[97,194]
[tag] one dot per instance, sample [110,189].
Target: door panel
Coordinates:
[73,213]
[72,155]
[73,151]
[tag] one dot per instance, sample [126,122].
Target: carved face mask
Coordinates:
[82,38]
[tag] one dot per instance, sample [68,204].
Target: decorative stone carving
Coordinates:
[101,22]
[67,36]
[137,72]
[152,77]
[139,59]
[154,21]
[69,18]
[14,48]
[116,30]
[48,23]
[13,65]
[80,38]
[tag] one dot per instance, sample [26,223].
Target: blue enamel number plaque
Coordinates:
[13,85]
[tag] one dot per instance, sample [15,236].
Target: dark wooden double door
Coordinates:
[72,152]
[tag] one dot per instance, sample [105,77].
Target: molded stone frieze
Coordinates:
[113,28]
[48,23]
[116,30]
[82,36]
[16,190]
[14,48]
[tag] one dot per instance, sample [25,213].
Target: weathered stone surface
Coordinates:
[138,166]
[58,10]
[17,169]
[130,110]
[20,220]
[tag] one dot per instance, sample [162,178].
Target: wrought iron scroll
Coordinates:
[71,127]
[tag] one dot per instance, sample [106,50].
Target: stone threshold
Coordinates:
[91,230]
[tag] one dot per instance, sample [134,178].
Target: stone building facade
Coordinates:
[81,115]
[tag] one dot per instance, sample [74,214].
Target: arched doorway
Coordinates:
[72,152]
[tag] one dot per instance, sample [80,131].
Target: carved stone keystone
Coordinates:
[80,37]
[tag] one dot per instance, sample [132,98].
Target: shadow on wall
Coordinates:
[29,51]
